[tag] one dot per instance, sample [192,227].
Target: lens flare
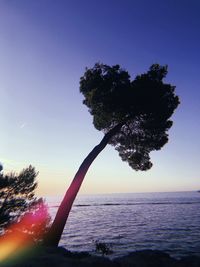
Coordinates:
[21,235]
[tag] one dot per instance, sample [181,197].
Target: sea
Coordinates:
[135,221]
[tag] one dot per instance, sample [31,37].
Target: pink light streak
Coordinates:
[17,237]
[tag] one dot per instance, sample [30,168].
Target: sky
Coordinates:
[45,46]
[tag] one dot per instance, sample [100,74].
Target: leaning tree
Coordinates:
[134,116]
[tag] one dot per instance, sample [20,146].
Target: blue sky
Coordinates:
[44,48]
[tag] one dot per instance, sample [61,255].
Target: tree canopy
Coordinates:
[17,200]
[142,107]
[134,116]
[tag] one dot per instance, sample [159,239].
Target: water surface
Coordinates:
[129,222]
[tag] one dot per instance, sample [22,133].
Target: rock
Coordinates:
[60,257]
[146,258]
[192,261]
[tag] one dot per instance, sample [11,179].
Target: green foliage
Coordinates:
[17,199]
[35,222]
[143,106]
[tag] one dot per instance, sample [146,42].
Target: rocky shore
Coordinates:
[60,257]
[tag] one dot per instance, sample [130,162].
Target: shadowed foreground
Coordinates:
[60,257]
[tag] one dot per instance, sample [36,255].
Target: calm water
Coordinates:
[129,222]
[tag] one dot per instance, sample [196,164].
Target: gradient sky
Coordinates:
[45,46]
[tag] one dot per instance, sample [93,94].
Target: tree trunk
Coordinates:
[54,234]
